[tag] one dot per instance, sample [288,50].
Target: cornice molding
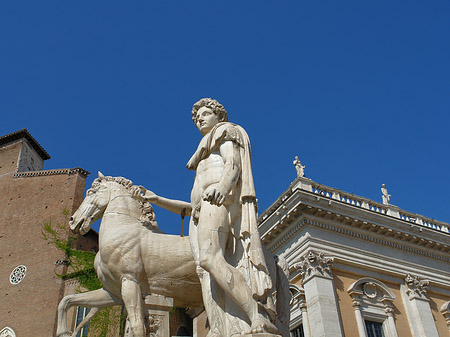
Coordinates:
[317,193]
[354,234]
[24,134]
[396,229]
[68,171]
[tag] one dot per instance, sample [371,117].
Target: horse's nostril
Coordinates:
[71,219]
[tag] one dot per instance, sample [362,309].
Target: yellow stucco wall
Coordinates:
[436,302]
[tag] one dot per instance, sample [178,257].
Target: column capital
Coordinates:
[416,287]
[314,264]
[445,310]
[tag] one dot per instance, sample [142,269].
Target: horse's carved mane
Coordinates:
[147,214]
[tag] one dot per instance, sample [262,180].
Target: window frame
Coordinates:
[373,301]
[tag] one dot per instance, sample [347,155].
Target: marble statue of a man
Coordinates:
[225,242]
[386,197]
[299,167]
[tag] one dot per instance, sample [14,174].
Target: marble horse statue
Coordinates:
[136,258]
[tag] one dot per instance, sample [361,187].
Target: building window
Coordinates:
[373,301]
[298,332]
[18,274]
[81,314]
[374,329]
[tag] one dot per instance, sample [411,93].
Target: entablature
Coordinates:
[356,217]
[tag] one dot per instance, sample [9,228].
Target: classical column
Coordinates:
[305,320]
[417,307]
[356,303]
[320,295]
[391,321]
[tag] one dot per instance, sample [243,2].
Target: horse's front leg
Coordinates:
[93,299]
[132,298]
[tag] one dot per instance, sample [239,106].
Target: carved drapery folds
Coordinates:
[415,287]
[314,264]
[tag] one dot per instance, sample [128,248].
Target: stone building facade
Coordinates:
[359,268]
[29,197]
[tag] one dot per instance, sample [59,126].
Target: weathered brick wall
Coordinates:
[9,155]
[29,307]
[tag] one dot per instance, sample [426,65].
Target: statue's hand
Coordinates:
[147,196]
[214,195]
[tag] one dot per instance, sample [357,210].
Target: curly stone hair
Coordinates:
[214,105]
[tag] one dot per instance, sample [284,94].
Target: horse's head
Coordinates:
[92,207]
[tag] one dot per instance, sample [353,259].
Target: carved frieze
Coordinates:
[314,264]
[155,327]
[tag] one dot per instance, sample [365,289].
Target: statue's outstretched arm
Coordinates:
[175,206]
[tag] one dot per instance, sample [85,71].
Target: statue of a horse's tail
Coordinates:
[283,295]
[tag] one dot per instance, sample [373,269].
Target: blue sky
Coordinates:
[358,90]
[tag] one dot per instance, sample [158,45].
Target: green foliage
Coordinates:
[80,263]
[80,266]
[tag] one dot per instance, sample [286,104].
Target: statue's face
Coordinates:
[206,119]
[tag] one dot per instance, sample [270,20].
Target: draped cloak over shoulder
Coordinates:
[260,281]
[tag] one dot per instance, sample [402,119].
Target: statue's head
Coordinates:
[208,107]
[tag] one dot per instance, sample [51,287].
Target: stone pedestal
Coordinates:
[156,311]
[156,316]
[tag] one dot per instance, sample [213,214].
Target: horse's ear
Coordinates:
[100,175]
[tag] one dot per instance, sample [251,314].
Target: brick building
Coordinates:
[29,197]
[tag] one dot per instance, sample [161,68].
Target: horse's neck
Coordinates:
[121,203]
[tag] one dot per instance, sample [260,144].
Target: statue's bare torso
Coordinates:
[208,174]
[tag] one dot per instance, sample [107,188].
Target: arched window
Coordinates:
[183,331]
[7,332]
[372,301]
[298,325]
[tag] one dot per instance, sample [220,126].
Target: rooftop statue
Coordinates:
[299,167]
[385,195]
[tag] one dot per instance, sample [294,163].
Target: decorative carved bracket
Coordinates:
[314,264]
[445,310]
[416,288]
